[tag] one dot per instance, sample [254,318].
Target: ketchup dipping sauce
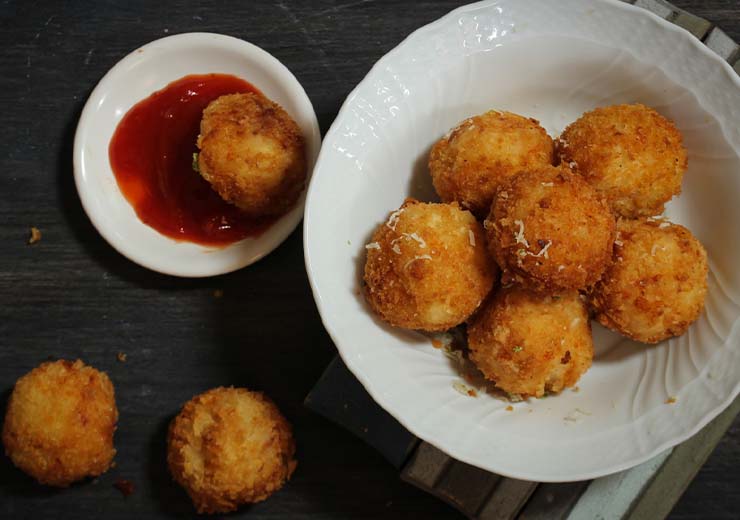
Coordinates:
[152,153]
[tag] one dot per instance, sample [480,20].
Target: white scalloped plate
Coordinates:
[552,61]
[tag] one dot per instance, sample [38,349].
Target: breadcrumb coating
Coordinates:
[469,163]
[630,153]
[549,230]
[252,153]
[656,286]
[228,447]
[427,267]
[60,422]
[529,343]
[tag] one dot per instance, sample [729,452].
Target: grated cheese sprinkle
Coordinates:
[417,257]
[471,237]
[393,219]
[519,235]
[414,236]
[372,245]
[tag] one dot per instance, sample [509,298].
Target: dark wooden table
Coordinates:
[71,295]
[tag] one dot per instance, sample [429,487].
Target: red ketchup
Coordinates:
[151,154]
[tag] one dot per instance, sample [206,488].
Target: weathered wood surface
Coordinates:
[71,295]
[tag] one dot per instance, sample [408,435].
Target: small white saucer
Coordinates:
[136,77]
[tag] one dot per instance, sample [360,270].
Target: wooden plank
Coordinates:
[719,42]
[465,487]
[662,9]
[426,466]
[507,499]
[697,26]
[680,468]
[611,497]
[338,396]
[553,501]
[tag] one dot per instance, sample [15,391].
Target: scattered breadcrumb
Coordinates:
[436,343]
[464,389]
[509,408]
[576,389]
[126,487]
[121,356]
[35,235]
[218,293]
[670,400]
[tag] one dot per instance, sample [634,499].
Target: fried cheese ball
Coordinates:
[427,267]
[469,163]
[655,287]
[60,421]
[252,153]
[228,447]
[529,343]
[630,153]
[549,230]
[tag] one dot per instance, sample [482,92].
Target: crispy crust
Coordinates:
[427,267]
[550,231]
[60,422]
[629,153]
[529,344]
[228,447]
[656,286]
[252,153]
[469,163]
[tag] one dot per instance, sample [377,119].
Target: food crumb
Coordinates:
[436,343]
[463,389]
[576,389]
[509,408]
[121,356]
[670,400]
[35,235]
[218,293]
[126,487]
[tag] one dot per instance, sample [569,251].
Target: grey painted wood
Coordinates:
[680,468]
[722,44]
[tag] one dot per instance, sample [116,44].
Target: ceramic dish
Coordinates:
[551,61]
[133,79]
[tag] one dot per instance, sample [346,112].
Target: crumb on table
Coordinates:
[35,235]
[121,356]
[670,400]
[126,487]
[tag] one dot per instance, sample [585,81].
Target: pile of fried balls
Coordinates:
[570,228]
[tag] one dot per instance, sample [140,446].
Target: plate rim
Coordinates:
[98,93]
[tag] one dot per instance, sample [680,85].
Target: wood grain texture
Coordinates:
[71,295]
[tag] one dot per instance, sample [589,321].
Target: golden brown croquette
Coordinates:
[549,230]
[427,267]
[60,421]
[630,153]
[228,447]
[655,287]
[529,343]
[469,163]
[252,153]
